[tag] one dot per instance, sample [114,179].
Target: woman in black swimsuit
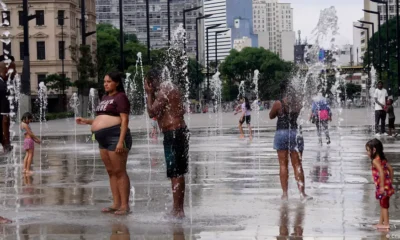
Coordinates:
[286,140]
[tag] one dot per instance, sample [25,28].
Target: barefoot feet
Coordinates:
[4,220]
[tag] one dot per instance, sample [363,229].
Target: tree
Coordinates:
[240,66]
[85,66]
[373,49]
[352,90]
[58,83]
[196,77]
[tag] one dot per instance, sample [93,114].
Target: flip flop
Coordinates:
[108,210]
[122,212]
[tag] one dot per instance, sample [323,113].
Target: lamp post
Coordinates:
[169,21]
[83,23]
[379,40]
[184,22]
[197,40]
[398,45]
[208,54]
[386,3]
[369,69]
[372,41]
[121,36]
[61,23]
[216,47]
[148,30]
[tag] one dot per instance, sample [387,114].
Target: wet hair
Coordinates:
[153,76]
[375,143]
[26,116]
[247,104]
[391,101]
[380,81]
[117,77]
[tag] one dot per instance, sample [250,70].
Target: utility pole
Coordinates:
[121,37]
[83,22]
[26,69]
[398,45]
[148,30]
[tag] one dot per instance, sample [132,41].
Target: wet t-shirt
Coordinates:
[114,105]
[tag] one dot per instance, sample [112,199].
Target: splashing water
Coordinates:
[216,87]
[42,97]
[93,101]
[242,91]
[74,103]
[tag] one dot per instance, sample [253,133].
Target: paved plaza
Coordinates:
[233,189]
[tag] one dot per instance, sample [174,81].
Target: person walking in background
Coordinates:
[392,118]
[245,109]
[380,97]
[321,114]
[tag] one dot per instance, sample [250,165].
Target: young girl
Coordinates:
[29,140]
[246,116]
[382,174]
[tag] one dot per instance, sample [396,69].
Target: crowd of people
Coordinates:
[165,107]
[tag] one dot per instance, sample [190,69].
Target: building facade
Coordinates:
[358,46]
[135,19]
[273,22]
[49,36]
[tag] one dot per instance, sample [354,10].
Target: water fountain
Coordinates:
[93,101]
[74,103]
[216,87]
[42,98]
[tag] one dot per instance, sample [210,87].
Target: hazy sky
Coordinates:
[306,15]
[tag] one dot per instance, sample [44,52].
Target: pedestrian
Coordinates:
[286,141]
[382,174]
[110,129]
[380,97]
[321,114]
[29,141]
[392,118]
[245,109]
[164,100]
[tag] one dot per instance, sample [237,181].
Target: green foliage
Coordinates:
[196,77]
[352,90]
[60,115]
[82,57]
[57,82]
[374,50]
[239,66]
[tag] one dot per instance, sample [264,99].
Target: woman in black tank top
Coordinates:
[287,141]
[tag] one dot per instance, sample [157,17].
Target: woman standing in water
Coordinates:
[110,128]
[246,116]
[286,141]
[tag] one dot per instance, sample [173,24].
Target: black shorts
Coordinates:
[4,105]
[391,122]
[176,150]
[246,119]
[108,138]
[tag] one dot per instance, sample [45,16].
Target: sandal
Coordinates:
[108,210]
[122,212]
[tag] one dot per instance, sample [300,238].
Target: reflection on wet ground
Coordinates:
[234,191]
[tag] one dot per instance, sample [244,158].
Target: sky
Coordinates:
[306,15]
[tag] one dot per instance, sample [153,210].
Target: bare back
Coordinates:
[171,116]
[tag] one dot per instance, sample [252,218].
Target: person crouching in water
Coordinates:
[29,141]
[246,116]
[164,101]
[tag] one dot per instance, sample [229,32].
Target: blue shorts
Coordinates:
[288,140]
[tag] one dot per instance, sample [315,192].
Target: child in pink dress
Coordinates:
[382,174]
[29,141]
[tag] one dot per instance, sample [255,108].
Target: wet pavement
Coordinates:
[233,190]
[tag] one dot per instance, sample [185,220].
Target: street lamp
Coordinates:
[121,36]
[148,30]
[61,23]
[386,3]
[367,30]
[184,21]
[169,21]
[208,54]
[197,40]
[216,47]
[83,21]
[372,42]
[398,44]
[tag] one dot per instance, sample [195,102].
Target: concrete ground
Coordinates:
[233,189]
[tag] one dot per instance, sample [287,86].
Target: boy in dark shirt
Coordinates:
[392,117]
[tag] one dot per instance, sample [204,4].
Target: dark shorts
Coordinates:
[4,105]
[108,138]
[391,122]
[176,150]
[246,119]
[384,202]
[288,140]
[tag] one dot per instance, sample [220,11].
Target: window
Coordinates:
[61,50]
[21,50]
[7,48]
[5,17]
[41,50]
[39,18]
[40,78]
[60,17]
[20,18]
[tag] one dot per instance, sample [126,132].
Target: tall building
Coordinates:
[358,46]
[135,19]
[48,41]
[273,22]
